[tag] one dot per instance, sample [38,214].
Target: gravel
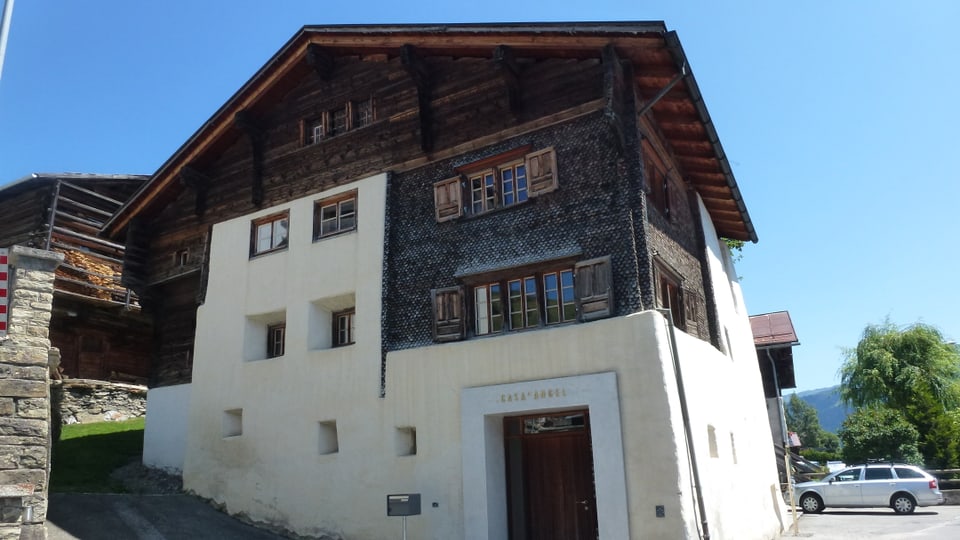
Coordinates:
[139,479]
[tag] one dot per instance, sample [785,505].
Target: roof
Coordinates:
[772,329]
[655,52]
[33,180]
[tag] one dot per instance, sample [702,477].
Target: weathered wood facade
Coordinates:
[96,321]
[617,100]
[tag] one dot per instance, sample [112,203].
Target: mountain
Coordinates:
[830,410]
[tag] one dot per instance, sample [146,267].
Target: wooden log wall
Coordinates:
[25,217]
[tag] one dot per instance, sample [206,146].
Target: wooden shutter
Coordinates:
[448,320]
[541,171]
[446,197]
[594,286]
[691,312]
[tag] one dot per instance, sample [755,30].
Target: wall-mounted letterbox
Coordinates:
[403,504]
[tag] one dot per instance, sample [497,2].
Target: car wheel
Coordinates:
[811,503]
[903,503]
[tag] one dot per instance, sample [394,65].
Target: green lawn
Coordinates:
[87,453]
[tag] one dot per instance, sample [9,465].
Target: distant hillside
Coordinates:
[830,410]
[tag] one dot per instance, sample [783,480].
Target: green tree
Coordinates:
[911,370]
[878,432]
[802,418]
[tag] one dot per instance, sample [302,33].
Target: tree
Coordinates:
[878,432]
[913,371]
[802,418]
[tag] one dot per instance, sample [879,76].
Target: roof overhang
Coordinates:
[655,53]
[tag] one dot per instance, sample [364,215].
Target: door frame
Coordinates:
[482,410]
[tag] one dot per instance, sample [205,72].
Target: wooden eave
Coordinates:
[655,54]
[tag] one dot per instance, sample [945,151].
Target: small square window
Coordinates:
[269,234]
[335,215]
[362,113]
[343,330]
[276,338]
[338,121]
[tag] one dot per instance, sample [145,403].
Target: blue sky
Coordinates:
[840,120]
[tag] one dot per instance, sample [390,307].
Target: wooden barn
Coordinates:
[97,322]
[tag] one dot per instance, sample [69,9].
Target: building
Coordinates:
[96,322]
[775,338]
[431,260]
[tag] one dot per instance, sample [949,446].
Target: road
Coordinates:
[141,517]
[929,523]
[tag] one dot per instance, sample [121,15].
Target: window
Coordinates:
[362,113]
[335,215]
[848,475]
[903,472]
[343,331]
[878,473]
[276,336]
[528,299]
[269,234]
[558,298]
[499,181]
[337,121]
[669,294]
[488,307]
[317,131]
[182,257]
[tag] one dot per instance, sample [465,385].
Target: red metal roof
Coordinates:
[773,329]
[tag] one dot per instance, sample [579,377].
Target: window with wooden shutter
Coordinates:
[594,286]
[541,171]
[448,321]
[446,197]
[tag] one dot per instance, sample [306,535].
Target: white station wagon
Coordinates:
[901,487]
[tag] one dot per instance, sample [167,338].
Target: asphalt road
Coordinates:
[928,523]
[142,517]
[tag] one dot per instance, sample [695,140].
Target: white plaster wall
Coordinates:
[165,434]
[275,470]
[734,406]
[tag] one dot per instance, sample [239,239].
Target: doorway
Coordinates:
[550,477]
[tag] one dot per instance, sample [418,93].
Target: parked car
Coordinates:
[901,487]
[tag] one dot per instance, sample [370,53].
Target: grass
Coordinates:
[86,454]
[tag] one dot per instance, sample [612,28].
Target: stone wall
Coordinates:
[83,401]
[24,395]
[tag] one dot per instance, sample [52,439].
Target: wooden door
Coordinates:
[551,493]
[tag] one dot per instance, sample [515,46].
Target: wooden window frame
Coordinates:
[276,340]
[494,183]
[492,319]
[669,291]
[336,202]
[353,119]
[182,257]
[348,315]
[275,246]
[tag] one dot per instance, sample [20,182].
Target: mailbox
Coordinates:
[403,504]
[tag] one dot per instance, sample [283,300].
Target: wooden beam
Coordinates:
[322,60]
[191,178]
[613,94]
[245,122]
[419,72]
[509,73]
